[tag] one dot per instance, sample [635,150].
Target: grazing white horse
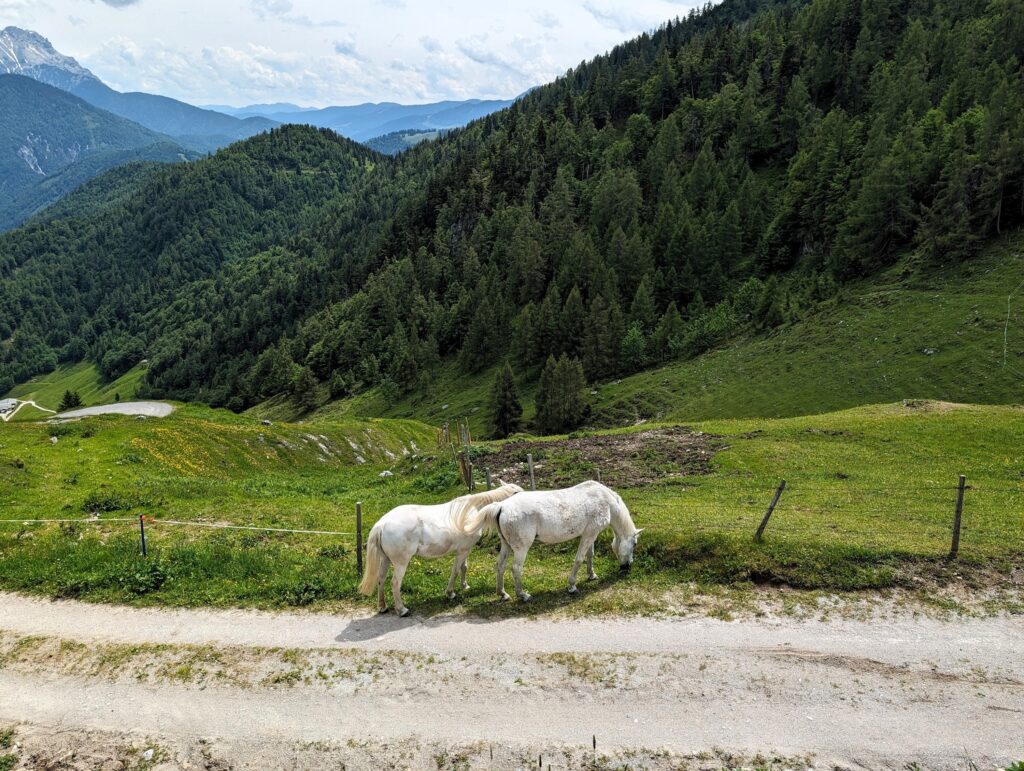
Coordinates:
[425,531]
[556,516]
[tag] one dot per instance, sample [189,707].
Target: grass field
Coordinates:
[869,505]
[48,390]
[913,332]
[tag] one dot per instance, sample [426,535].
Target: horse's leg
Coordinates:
[382,577]
[396,587]
[450,591]
[517,573]
[591,575]
[465,568]
[502,559]
[586,548]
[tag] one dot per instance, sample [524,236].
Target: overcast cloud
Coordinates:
[315,52]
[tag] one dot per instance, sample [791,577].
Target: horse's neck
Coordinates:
[622,523]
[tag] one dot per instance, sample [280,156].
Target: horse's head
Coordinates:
[623,548]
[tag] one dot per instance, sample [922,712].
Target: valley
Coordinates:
[759,270]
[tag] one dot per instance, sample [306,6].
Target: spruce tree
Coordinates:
[70,401]
[560,405]
[506,409]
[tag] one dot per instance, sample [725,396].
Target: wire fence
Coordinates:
[932,512]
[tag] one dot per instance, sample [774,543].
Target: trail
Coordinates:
[7,417]
[847,692]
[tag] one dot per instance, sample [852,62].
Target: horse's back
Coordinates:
[555,516]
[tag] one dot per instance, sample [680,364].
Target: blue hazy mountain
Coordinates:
[362,122]
[23,52]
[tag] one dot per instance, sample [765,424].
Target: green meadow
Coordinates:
[869,505]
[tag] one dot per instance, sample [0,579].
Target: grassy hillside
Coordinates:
[869,504]
[47,390]
[914,332]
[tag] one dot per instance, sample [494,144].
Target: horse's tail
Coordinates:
[476,520]
[374,554]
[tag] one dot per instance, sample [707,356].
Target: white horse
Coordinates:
[426,531]
[556,516]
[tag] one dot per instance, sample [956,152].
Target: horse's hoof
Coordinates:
[451,595]
[525,597]
[504,598]
[403,613]
[382,611]
[465,587]
[573,590]
[592,577]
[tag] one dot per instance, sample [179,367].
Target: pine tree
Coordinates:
[70,401]
[560,405]
[642,311]
[506,409]
[573,321]
[634,348]
[667,338]
[305,389]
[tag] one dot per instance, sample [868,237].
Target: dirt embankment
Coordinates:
[623,460]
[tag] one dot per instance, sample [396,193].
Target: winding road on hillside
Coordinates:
[8,415]
[879,693]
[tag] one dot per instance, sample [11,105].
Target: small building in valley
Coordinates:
[8,405]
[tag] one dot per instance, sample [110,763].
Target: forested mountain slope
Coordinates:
[93,283]
[51,142]
[718,177]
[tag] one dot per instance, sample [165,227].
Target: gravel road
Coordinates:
[149,409]
[852,694]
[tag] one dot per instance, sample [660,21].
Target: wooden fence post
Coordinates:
[597,471]
[359,538]
[142,533]
[487,473]
[957,516]
[533,481]
[470,485]
[768,514]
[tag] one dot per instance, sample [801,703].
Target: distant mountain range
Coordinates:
[51,142]
[23,52]
[363,122]
[60,125]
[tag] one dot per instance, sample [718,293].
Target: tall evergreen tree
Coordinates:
[506,409]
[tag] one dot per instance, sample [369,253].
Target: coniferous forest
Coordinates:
[725,173]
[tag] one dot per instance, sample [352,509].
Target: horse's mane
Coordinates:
[460,508]
[622,521]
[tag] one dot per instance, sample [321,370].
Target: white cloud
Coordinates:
[615,17]
[283,10]
[430,44]
[306,51]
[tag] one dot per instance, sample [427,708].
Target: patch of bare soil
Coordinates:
[623,460]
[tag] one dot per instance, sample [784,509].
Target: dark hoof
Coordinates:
[504,598]
[403,612]
[382,611]
[525,597]
[573,590]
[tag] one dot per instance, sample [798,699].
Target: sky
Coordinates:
[318,53]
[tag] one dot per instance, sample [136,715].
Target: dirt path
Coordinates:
[6,417]
[848,693]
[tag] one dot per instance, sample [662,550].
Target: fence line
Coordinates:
[152,521]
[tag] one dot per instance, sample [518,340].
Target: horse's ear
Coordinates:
[639,531]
